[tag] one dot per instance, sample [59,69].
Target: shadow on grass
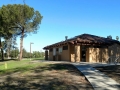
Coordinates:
[44,82]
[111,71]
[112,68]
[52,84]
[14,70]
[70,68]
[38,59]
[8,60]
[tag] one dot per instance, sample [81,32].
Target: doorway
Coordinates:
[83,54]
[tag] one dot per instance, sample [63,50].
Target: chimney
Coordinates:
[66,37]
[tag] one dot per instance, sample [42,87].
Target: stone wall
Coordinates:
[98,55]
[114,51]
[103,54]
[92,54]
[51,55]
[77,53]
[72,53]
[65,55]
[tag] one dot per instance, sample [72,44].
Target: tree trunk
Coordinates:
[1,50]
[2,54]
[8,54]
[21,45]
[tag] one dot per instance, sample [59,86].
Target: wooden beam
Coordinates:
[72,42]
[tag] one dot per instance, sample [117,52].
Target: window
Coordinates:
[51,50]
[60,50]
[56,49]
[65,47]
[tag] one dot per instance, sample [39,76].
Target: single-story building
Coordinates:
[85,48]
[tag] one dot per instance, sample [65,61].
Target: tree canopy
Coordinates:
[110,37]
[20,20]
[5,32]
[117,38]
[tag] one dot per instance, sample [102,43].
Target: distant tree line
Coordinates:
[14,53]
[34,54]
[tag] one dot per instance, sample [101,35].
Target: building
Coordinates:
[85,48]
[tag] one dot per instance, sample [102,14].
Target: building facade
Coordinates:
[84,48]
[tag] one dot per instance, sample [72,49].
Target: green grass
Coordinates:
[16,66]
[26,75]
[33,58]
[38,58]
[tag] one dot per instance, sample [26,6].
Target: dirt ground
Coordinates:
[50,77]
[111,71]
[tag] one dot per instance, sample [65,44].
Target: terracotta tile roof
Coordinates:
[86,39]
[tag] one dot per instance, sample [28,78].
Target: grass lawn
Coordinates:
[26,75]
[33,58]
[14,66]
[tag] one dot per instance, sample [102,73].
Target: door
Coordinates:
[83,54]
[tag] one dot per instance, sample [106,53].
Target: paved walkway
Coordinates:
[98,80]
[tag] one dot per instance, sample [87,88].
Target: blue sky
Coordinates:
[70,18]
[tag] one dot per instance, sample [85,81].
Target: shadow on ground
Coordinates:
[112,71]
[8,60]
[49,77]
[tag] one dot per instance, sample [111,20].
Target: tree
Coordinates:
[23,19]
[110,37]
[42,54]
[14,52]
[117,38]
[37,54]
[24,53]
[5,32]
[9,45]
